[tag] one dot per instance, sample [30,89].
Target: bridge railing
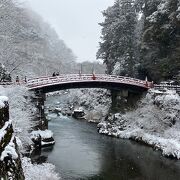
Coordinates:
[166,86]
[6,83]
[63,78]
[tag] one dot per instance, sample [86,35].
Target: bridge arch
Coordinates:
[42,85]
[72,81]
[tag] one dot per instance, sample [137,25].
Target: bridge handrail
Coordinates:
[75,77]
[6,83]
[68,78]
[166,86]
[83,75]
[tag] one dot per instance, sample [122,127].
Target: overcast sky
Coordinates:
[76,22]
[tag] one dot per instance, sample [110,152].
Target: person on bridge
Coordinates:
[54,74]
[17,80]
[9,78]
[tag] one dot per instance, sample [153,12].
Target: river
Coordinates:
[81,153]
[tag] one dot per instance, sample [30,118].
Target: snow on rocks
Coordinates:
[44,134]
[42,138]
[3,130]
[95,102]
[3,99]
[78,113]
[156,122]
[9,151]
[45,171]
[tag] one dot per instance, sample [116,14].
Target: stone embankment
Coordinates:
[41,136]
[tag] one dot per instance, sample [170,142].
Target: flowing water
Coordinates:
[80,153]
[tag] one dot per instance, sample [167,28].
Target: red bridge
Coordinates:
[70,81]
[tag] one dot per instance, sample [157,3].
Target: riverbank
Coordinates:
[156,122]
[22,112]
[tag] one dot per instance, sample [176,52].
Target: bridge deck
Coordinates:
[63,80]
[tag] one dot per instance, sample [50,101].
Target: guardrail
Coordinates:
[68,78]
[6,83]
[170,87]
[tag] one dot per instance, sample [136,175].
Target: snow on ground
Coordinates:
[45,171]
[156,122]
[21,111]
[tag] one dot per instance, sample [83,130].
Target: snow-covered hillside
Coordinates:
[29,46]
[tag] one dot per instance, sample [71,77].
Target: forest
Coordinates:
[29,46]
[142,38]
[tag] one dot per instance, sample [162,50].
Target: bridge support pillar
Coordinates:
[123,100]
[42,121]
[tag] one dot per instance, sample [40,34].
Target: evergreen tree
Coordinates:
[4,75]
[118,37]
[161,40]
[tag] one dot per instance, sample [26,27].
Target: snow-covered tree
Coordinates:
[118,37]
[4,75]
[160,42]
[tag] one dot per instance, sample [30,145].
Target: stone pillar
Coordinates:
[123,100]
[40,98]
[119,97]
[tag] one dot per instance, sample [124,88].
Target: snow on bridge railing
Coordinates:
[6,83]
[68,78]
[166,86]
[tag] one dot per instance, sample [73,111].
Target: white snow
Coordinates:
[47,143]
[140,15]
[80,109]
[95,102]
[3,129]
[9,151]
[45,171]
[21,111]
[162,8]
[2,100]
[156,122]
[44,134]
